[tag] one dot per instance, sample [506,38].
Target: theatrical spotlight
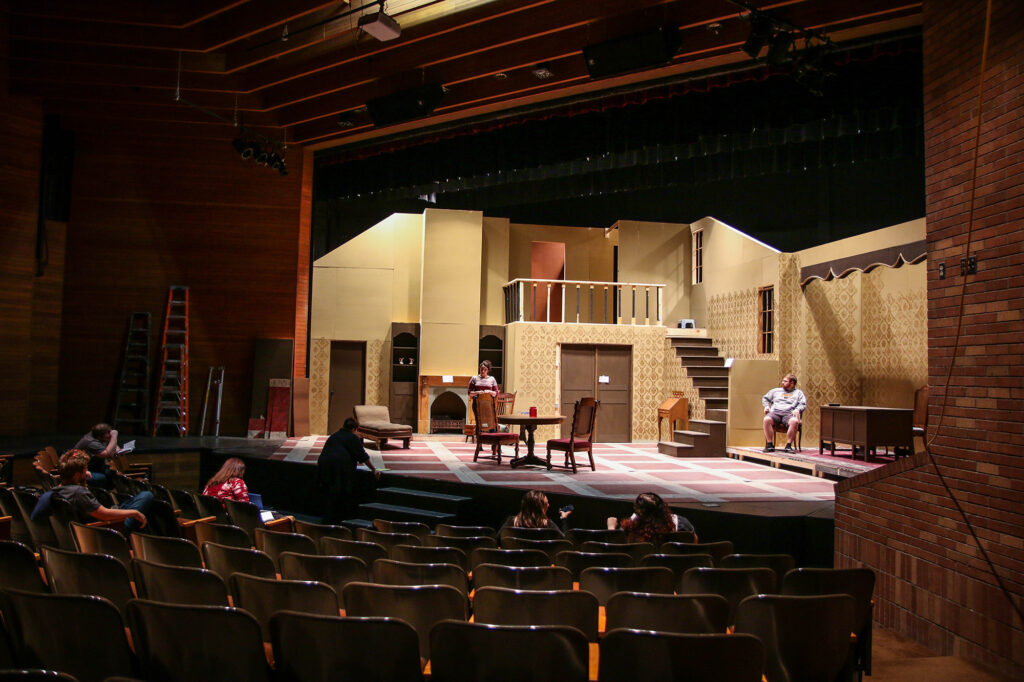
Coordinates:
[760,32]
[380,25]
[261,157]
[245,148]
[779,47]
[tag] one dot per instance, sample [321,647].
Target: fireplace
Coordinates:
[447,412]
[444,403]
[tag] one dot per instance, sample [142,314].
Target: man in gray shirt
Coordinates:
[783,406]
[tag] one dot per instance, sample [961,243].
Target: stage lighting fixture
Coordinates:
[380,25]
[760,32]
[345,120]
[778,48]
[542,71]
[239,145]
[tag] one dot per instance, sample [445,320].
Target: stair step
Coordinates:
[721,415]
[422,499]
[707,371]
[394,512]
[692,351]
[676,449]
[702,361]
[692,341]
[709,382]
[705,425]
[688,437]
[713,392]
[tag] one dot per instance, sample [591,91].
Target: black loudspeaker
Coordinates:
[632,52]
[405,105]
[58,160]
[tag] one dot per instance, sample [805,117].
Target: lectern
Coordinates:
[674,409]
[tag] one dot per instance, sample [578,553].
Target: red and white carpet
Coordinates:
[623,471]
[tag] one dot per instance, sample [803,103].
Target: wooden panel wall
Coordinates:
[21,129]
[152,208]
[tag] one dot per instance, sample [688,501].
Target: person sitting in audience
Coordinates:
[533,513]
[100,444]
[227,484]
[74,473]
[651,521]
[783,405]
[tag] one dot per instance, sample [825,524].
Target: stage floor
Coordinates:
[623,471]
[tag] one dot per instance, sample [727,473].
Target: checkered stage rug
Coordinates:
[623,471]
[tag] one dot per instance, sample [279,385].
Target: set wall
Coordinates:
[934,582]
[726,302]
[359,289]
[450,292]
[494,270]
[166,206]
[658,253]
[532,356]
[749,380]
[589,254]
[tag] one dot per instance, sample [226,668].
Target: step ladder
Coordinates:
[172,391]
[131,407]
[214,380]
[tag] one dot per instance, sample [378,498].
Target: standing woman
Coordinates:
[227,484]
[483,382]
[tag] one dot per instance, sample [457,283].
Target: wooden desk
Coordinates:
[866,428]
[674,409]
[530,424]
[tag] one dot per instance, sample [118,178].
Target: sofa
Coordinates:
[375,424]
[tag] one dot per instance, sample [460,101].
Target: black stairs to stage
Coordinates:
[703,365]
[404,504]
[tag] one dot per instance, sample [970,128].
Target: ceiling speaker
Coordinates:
[405,105]
[632,52]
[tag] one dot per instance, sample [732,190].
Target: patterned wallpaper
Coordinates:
[676,379]
[536,355]
[320,379]
[733,323]
[854,341]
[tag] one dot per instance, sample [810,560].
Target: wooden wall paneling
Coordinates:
[303,266]
[47,309]
[152,211]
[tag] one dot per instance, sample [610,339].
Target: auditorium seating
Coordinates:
[424,581]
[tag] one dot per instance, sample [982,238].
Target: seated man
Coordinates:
[100,444]
[73,475]
[783,406]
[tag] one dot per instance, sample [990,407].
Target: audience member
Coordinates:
[651,521]
[483,382]
[73,475]
[783,406]
[533,513]
[100,444]
[336,472]
[227,484]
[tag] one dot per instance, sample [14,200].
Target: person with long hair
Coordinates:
[651,521]
[227,484]
[533,513]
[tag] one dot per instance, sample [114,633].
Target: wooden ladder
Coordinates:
[172,392]
[131,407]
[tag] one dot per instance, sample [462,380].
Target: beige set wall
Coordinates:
[532,355]
[860,340]
[450,292]
[359,289]
[658,253]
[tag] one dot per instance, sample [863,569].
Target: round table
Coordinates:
[530,424]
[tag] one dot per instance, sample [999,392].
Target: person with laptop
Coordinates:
[227,484]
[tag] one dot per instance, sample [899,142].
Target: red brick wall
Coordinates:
[933,583]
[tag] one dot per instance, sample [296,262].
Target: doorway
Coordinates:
[605,373]
[547,261]
[347,383]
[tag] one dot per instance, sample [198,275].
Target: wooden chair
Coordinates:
[504,404]
[692,614]
[486,428]
[628,655]
[503,606]
[784,429]
[541,653]
[581,435]
[920,423]
[178,584]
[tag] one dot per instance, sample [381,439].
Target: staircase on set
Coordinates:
[405,504]
[706,437]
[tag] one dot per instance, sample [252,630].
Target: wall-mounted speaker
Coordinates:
[632,52]
[405,105]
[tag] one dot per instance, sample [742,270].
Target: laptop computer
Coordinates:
[257,499]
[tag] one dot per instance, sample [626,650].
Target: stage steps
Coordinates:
[405,504]
[705,437]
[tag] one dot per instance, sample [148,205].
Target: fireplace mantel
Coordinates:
[458,385]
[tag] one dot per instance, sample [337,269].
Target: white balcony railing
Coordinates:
[573,302]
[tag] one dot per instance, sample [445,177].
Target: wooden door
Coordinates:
[581,370]
[348,381]
[547,261]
